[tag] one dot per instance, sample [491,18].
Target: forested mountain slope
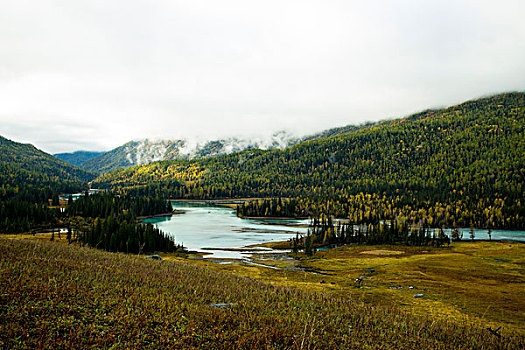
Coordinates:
[347,129]
[147,151]
[29,178]
[464,160]
[24,167]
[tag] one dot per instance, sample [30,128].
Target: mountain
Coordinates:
[445,166]
[147,151]
[24,167]
[134,153]
[77,158]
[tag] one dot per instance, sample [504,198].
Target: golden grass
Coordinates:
[42,237]
[58,296]
[480,283]
[55,295]
[382,252]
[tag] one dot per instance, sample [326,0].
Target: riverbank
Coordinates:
[232,203]
[273,217]
[227,202]
[175,212]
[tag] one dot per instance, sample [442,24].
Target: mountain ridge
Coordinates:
[77,158]
[143,151]
[456,161]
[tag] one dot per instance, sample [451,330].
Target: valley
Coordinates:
[262,175]
[405,233]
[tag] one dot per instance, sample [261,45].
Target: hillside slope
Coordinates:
[29,178]
[470,156]
[67,297]
[24,167]
[77,158]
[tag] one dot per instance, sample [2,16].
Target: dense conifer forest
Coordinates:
[324,231]
[105,205]
[25,170]
[29,180]
[460,166]
[113,223]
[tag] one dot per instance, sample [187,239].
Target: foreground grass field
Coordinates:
[58,296]
[478,283]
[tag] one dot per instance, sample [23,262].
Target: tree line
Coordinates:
[324,231]
[104,205]
[104,221]
[373,208]
[117,235]
[114,226]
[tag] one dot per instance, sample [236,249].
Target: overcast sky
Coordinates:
[93,74]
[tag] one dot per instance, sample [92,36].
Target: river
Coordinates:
[202,227]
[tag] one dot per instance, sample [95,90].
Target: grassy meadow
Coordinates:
[481,284]
[61,296]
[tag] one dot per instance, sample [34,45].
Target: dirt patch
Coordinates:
[383,252]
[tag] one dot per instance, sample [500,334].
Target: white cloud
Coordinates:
[95,74]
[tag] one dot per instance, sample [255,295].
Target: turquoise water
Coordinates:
[496,234]
[203,226]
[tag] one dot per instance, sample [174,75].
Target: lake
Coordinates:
[203,226]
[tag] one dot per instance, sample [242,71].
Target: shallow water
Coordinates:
[503,235]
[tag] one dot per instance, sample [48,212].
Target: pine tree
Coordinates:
[68,235]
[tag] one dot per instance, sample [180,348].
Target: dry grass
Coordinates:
[477,283]
[382,252]
[58,296]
